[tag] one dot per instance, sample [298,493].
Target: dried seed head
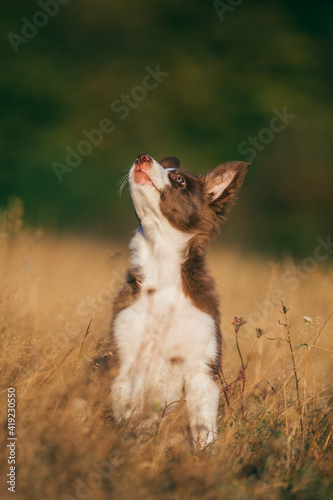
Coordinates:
[238,322]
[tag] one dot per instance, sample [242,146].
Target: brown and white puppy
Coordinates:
[166,324]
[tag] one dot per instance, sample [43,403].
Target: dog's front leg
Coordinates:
[127,394]
[202,399]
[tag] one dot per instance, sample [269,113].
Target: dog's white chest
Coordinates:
[163,325]
[162,337]
[162,341]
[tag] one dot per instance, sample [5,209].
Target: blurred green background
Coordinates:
[229,67]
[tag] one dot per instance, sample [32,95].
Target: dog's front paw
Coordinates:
[203,436]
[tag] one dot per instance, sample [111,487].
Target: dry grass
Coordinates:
[68,446]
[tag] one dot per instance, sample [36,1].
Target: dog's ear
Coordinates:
[170,162]
[222,184]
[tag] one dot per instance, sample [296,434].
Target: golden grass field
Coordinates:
[68,446]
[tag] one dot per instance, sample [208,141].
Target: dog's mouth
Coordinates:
[141,177]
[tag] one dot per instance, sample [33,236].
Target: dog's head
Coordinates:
[191,204]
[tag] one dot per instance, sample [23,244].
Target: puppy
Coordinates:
[166,325]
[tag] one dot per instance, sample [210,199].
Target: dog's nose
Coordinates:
[143,159]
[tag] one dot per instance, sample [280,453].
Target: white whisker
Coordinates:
[122,183]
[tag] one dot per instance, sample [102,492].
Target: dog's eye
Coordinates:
[179,179]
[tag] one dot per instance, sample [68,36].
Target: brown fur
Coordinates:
[222,204]
[170,162]
[199,286]
[190,208]
[127,295]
